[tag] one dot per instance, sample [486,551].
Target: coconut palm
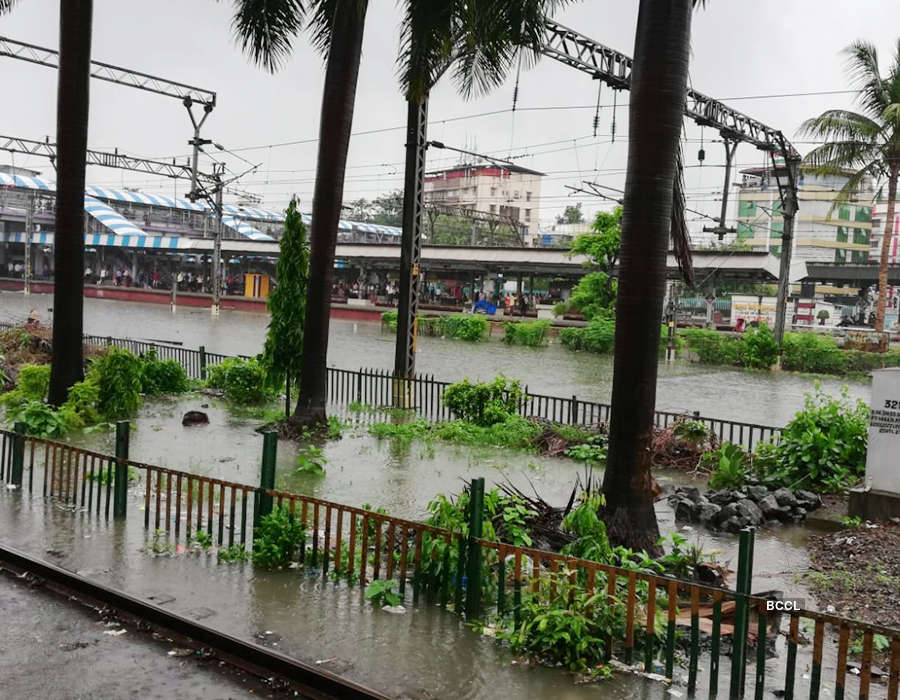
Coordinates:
[480,42]
[867,143]
[72,103]
[266,29]
[658,88]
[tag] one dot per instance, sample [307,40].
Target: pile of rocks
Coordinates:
[733,509]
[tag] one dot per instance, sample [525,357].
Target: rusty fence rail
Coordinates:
[726,638]
[379,389]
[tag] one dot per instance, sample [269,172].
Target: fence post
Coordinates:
[109,341]
[120,494]
[573,411]
[267,477]
[202,362]
[473,568]
[741,611]
[18,454]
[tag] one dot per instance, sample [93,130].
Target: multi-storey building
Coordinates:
[841,235]
[509,191]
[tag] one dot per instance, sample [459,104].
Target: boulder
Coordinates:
[690,492]
[770,508]
[720,498]
[684,510]
[757,493]
[728,511]
[734,524]
[748,509]
[785,497]
[706,512]
[808,499]
[194,418]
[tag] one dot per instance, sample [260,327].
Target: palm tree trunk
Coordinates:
[658,84]
[886,249]
[336,121]
[71,145]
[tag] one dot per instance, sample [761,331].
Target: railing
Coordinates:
[482,577]
[424,394]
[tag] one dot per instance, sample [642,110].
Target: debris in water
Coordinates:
[396,609]
[115,633]
[326,661]
[180,652]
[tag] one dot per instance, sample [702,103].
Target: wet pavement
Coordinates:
[54,648]
[769,398]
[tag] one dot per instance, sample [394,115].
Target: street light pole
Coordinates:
[29,225]
[217,249]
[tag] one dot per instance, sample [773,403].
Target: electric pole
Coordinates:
[722,229]
[29,225]
[217,247]
[789,208]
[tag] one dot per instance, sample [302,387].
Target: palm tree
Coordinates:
[481,42]
[67,363]
[867,142]
[658,88]
[266,31]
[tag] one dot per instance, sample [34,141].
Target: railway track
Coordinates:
[280,672]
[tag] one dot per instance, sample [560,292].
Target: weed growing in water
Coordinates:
[381,592]
[278,539]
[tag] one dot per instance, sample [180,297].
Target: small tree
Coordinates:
[287,307]
[595,293]
[571,215]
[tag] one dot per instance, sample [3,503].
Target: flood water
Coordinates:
[426,652]
[767,398]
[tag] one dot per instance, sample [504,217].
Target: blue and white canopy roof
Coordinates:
[236,213]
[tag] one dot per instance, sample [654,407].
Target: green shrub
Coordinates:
[162,376]
[811,352]
[276,542]
[80,409]
[469,327]
[727,466]
[381,593]
[712,347]
[529,333]
[40,420]
[243,381]
[484,403]
[389,320]
[598,336]
[823,447]
[118,376]
[32,385]
[758,348]
[512,431]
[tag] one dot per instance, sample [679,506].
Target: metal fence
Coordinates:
[724,636]
[378,389]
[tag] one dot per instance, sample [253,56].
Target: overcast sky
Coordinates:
[741,49]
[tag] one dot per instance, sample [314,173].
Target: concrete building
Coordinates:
[509,191]
[844,236]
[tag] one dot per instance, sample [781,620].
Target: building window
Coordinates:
[528,215]
[516,194]
[747,207]
[493,209]
[493,191]
[528,196]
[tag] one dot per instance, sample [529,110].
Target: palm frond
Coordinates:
[322,19]
[862,66]
[850,189]
[265,29]
[841,124]
[836,157]
[6,6]
[681,242]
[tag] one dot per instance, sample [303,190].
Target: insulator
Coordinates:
[701,155]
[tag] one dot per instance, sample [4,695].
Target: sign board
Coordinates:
[882,465]
[753,308]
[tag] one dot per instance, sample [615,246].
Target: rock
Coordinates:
[785,497]
[798,515]
[729,510]
[757,493]
[706,512]
[733,524]
[750,510]
[738,495]
[770,508]
[684,510]
[808,499]
[194,418]
[690,492]
[720,498]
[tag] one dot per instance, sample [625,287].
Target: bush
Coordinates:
[727,466]
[598,336]
[529,333]
[823,447]
[389,320]
[758,348]
[243,381]
[40,420]
[484,403]
[32,385]
[468,327]
[712,347]
[118,376]
[277,540]
[162,376]
[80,409]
